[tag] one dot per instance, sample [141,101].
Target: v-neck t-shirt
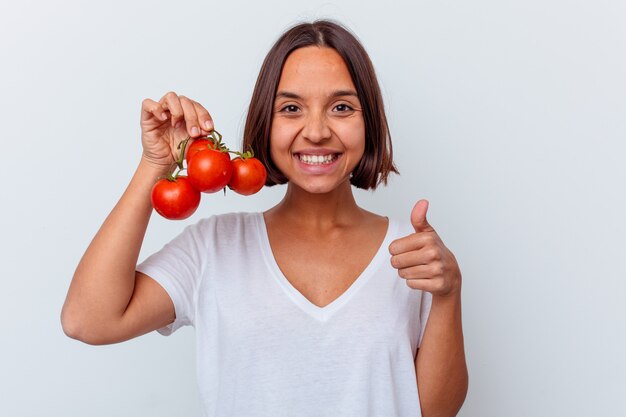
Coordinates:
[263,349]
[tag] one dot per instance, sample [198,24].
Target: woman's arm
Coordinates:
[440,366]
[104,280]
[107,300]
[428,265]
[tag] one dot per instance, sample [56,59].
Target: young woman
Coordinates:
[315,307]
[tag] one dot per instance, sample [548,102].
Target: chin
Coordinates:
[321,187]
[318,190]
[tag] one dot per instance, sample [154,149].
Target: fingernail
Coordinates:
[194,131]
[163,116]
[208,125]
[179,124]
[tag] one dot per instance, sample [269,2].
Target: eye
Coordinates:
[290,108]
[343,108]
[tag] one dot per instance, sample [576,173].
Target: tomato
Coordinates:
[196,146]
[248,176]
[209,170]
[175,199]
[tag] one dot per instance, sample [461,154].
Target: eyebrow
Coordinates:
[334,94]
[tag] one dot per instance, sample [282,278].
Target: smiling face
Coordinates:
[318,133]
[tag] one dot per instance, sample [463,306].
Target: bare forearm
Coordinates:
[105,277]
[440,364]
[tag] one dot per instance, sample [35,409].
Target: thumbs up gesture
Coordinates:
[423,260]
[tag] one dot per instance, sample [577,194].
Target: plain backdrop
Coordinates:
[508,116]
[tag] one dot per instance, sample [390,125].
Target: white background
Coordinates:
[509,116]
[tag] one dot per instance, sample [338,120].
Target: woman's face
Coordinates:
[318,132]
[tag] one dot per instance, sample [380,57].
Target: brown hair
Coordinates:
[377,161]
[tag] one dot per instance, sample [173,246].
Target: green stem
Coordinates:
[243,155]
[215,138]
[181,155]
[171,176]
[219,136]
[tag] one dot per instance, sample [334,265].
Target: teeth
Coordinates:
[317,159]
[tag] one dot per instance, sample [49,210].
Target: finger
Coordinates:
[428,285]
[412,242]
[150,109]
[429,271]
[411,258]
[418,217]
[191,118]
[171,102]
[205,120]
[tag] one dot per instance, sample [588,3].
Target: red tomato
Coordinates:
[209,170]
[248,176]
[196,146]
[175,199]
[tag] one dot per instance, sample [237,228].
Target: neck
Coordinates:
[319,211]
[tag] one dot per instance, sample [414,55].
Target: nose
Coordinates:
[316,128]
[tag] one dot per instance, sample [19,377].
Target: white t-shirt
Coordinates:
[264,350]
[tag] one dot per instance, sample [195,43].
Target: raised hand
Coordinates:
[423,260]
[164,124]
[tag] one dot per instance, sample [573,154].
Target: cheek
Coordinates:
[352,135]
[281,136]
[358,143]
[280,142]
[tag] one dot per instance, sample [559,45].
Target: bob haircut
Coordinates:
[377,160]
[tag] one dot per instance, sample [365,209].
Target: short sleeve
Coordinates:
[425,304]
[178,268]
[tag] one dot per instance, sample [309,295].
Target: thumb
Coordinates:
[418,217]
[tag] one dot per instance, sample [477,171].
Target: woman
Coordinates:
[313,307]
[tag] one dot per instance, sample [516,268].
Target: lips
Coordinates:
[318,156]
[317,151]
[317,159]
[318,168]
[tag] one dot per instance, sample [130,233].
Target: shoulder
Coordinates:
[231,227]
[220,226]
[225,220]
[393,227]
[235,220]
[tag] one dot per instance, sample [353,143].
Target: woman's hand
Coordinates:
[423,260]
[164,124]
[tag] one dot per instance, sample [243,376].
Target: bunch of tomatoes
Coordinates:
[209,170]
